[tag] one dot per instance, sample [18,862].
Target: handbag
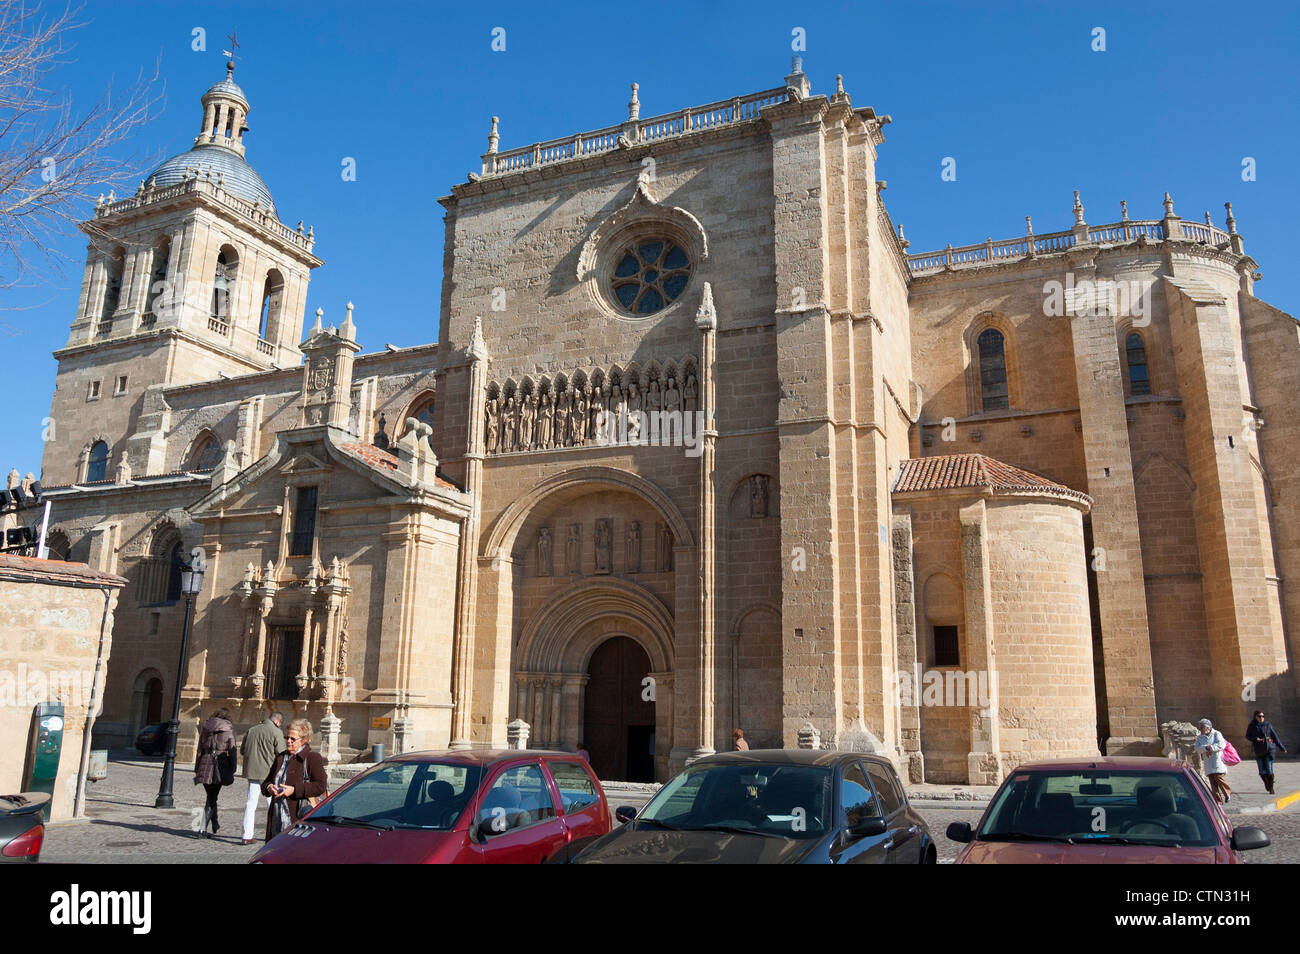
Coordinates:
[225,765]
[305,805]
[1230,756]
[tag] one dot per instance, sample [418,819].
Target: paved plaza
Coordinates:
[122,826]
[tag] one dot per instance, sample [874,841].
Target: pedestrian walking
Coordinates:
[215,765]
[262,743]
[738,742]
[1260,734]
[1210,744]
[296,781]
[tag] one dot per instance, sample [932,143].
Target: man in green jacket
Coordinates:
[262,743]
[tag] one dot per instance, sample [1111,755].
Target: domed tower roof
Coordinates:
[219,147]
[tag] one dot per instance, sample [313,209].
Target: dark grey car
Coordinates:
[773,806]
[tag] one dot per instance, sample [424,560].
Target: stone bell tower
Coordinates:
[192,277]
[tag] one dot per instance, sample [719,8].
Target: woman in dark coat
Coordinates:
[1264,741]
[296,774]
[215,764]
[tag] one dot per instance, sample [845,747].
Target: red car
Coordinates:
[1104,811]
[472,806]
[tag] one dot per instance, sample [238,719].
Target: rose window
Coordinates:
[650,275]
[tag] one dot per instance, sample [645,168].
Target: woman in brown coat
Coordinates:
[296,774]
[215,764]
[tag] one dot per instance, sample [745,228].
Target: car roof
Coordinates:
[481,756]
[819,757]
[1118,763]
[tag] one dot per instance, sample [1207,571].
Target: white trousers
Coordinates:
[254,799]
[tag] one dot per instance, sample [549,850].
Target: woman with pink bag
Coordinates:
[1213,749]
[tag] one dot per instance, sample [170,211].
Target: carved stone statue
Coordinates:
[563,404]
[492,411]
[634,406]
[691,395]
[654,400]
[544,551]
[510,426]
[573,549]
[595,404]
[604,545]
[382,440]
[527,418]
[672,396]
[578,419]
[544,414]
[758,495]
[632,547]
[663,548]
[343,654]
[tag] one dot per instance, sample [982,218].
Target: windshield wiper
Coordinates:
[1120,840]
[736,830]
[346,821]
[1024,836]
[656,822]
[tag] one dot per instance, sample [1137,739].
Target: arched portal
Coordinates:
[619,711]
[593,667]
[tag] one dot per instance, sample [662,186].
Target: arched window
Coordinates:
[156,294]
[206,455]
[160,573]
[272,293]
[112,289]
[98,468]
[57,545]
[223,283]
[422,411]
[1139,381]
[993,370]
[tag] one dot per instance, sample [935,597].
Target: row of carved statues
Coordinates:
[571,416]
[604,554]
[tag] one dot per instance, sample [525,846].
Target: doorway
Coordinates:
[619,714]
[286,656]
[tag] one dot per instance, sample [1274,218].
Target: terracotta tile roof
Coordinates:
[382,460]
[53,571]
[974,470]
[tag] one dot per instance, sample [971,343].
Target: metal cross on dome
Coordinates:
[234,44]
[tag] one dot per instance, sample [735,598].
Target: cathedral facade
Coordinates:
[700,446]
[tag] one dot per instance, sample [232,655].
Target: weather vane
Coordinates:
[234,44]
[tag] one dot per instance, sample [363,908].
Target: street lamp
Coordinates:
[191,584]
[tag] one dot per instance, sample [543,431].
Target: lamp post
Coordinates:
[191,584]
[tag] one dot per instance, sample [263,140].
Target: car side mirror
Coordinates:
[492,825]
[625,813]
[1248,838]
[869,826]
[960,831]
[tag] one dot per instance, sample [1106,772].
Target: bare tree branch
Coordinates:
[54,160]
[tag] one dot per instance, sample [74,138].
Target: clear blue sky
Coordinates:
[1014,92]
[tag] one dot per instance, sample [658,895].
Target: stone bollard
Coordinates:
[809,737]
[517,734]
[403,733]
[331,727]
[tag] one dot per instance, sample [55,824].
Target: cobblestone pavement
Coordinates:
[122,826]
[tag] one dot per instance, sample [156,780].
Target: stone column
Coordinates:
[555,731]
[706,321]
[467,582]
[984,762]
[907,694]
[1246,634]
[1121,588]
[810,533]
[304,661]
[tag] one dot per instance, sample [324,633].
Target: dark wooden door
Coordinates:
[284,663]
[618,719]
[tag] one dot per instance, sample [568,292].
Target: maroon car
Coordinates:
[1104,811]
[470,806]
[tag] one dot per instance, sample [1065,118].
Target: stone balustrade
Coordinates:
[1030,245]
[693,119]
[261,216]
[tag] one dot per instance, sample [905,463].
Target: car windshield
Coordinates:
[791,801]
[428,796]
[1147,808]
